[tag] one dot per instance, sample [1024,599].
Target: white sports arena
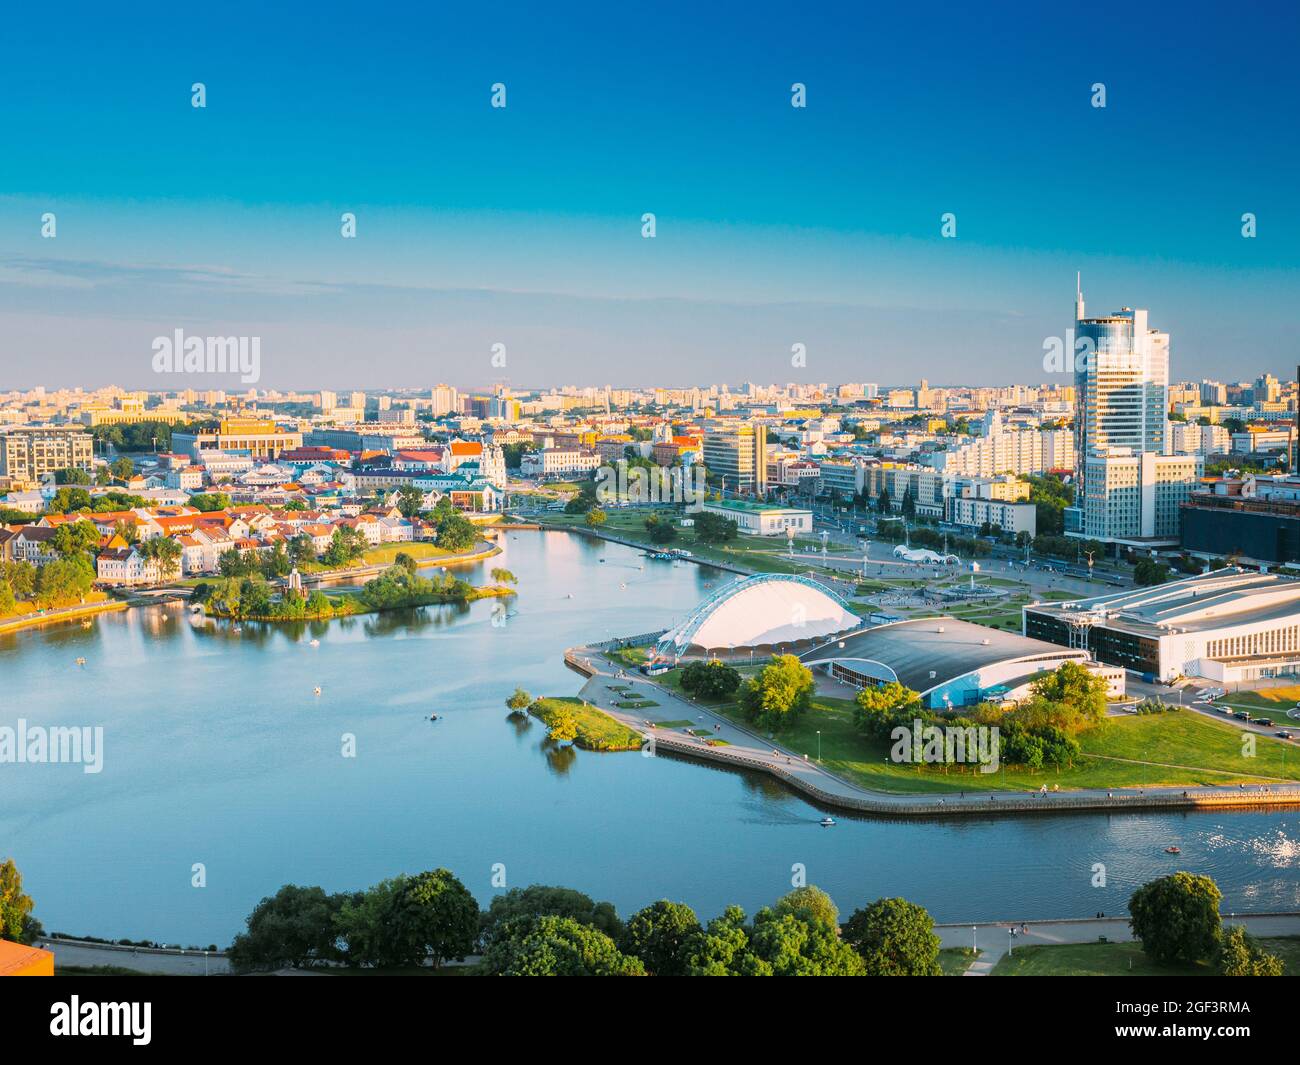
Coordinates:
[773,612]
[925,555]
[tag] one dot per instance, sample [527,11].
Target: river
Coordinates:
[219,753]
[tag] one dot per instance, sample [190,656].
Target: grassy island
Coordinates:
[596,730]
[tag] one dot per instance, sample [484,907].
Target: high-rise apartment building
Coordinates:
[740,455]
[29,453]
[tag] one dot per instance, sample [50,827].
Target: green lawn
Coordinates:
[628,657]
[1279,700]
[954,961]
[1120,959]
[1209,749]
[597,731]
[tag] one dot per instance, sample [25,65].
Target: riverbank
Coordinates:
[50,617]
[721,740]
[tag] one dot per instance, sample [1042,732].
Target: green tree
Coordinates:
[456,533]
[595,518]
[1148,572]
[519,701]
[209,501]
[501,575]
[796,944]
[8,602]
[377,928]
[76,538]
[557,946]
[302,550]
[710,680]
[725,949]
[64,582]
[1075,687]
[15,904]
[809,901]
[780,693]
[72,475]
[895,938]
[444,916]
[713,528]
[295,927]
[543,900]
[1239,954]
[166,552]
[662,936]
[1177,918]
[877,707]
[123,469]
[410,501]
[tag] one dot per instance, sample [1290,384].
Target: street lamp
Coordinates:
[819,746]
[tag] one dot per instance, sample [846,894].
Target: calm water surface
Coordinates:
[218,751]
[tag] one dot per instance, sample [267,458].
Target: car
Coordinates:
[1282,734]
[1267,722]
[1242,716]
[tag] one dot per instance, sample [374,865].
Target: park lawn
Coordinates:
[1121,959]
[597,731]
[1193,750]
[387,553]
[1184,737]
[628,657]
[1279,699]
[954,961]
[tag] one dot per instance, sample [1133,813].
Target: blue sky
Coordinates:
[776,225]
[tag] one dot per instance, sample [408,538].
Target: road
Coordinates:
[144,960]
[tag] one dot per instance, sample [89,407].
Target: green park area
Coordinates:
[595,729]
[382,555]
[1175,748]
[1123,959]
[1275,700]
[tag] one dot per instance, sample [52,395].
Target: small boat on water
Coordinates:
[826,822]
[1173,850]
[81,661]
[433,717]
[317,690]
[315,643]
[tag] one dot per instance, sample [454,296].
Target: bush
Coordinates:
[710,680]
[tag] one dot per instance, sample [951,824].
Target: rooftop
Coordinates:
[756,508]
[1207,601]
[926,652]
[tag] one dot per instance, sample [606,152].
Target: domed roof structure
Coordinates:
[765,610]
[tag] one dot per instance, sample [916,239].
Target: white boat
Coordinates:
[826,822]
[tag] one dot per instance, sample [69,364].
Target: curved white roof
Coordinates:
[766,609]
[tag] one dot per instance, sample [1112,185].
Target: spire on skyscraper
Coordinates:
[1078,296]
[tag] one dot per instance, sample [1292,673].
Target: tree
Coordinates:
[564,726]
[76,538]
[1177,918]
[406,563]
[809,901]
[444,915]
[519,701]
[662,935]
[713,528]
[710,680]
[123,469]
[302,550]
[16,922]
[346,546]
[292,928]
[166,552]
[895,938]
[1076,688]
[1148,572]
[797,944]
[1239,954]
[69,501]
[501,575]
[781,692]
[557,946]
[456,533]
[595,518]
[410,500]
[64,582]
[878,706]
[724,949]
[72,475]
[542,900]
[376,927]
[275,563]
[209,501]
[8,603]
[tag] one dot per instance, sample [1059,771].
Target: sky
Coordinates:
[522,225]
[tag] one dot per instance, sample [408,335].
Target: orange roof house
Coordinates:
[18,960]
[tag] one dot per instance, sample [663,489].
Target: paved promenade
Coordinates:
[746,749]
[994,939]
